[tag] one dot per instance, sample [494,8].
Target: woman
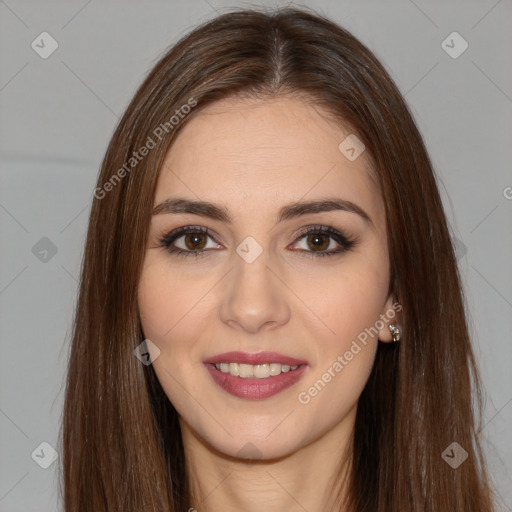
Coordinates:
[313,353]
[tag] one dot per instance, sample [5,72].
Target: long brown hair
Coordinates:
[121,441]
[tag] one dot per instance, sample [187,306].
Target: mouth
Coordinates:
[255,376]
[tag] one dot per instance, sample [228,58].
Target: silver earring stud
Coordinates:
[395,331]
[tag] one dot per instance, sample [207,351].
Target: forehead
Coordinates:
[247,150]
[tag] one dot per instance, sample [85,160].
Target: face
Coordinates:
[308,285]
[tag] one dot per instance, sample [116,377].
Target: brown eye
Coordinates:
[193,241]
[318,239]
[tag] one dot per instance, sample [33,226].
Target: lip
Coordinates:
[254,388]
[259,358]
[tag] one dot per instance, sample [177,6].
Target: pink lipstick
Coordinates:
[255,376]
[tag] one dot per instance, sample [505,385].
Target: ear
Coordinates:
[390,315]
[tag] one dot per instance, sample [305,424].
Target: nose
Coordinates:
[254,296]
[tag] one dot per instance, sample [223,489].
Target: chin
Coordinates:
[265,441]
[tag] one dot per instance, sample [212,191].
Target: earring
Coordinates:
[395,331]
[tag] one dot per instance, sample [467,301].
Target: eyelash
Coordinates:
[168,238]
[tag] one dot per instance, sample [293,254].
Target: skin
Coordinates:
[254,156]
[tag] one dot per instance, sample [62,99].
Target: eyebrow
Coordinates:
[293,210]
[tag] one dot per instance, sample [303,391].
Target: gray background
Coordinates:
[57,115]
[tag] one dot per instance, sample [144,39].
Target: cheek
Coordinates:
[170,315]
[349,305]
[349,300]
[156,300]
[165,300]
[174,315]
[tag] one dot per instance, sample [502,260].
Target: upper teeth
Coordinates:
[259,371]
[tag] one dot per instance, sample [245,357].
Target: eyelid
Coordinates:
[168,237]
[345,241]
